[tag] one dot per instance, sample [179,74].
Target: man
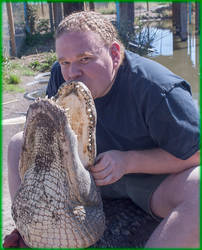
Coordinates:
[147,127]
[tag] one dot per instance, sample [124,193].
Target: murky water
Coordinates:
[180,57]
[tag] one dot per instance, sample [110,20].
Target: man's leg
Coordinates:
[177,201]
[14,150]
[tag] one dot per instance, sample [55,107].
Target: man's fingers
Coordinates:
[106,181]
[100,166]
[102,174]
[98,158]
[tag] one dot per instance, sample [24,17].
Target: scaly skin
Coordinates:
[58,204]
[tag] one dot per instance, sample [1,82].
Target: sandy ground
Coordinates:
[14,106]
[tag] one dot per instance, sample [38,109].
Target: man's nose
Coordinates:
[74,71]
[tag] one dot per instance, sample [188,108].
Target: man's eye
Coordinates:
[64,63]
[85,59]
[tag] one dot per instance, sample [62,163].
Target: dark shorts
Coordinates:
[138,187]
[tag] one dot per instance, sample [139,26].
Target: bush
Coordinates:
[32,17]
[43,26]
[13,79]
[38,38]
[45,64]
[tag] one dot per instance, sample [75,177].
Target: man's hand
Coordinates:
[109,167]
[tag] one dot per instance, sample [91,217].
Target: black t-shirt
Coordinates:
[147,107]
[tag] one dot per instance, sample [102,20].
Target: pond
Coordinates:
[180,57]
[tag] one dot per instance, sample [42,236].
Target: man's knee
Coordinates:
[175,190]
[14,149]
[15,142]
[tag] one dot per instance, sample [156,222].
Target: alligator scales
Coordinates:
[58,204]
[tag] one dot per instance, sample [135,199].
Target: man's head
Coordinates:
[88,50]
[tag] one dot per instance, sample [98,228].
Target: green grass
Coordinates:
[12,72]
[13,88]
[15,69]
[21,69]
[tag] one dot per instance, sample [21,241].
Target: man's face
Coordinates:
[84,57]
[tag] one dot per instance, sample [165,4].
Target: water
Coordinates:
[182,58]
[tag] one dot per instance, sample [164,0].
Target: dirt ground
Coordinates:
[14,105]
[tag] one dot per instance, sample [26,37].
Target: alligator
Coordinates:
[58,204]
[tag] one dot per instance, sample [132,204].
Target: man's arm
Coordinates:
[158,161]
[112,165]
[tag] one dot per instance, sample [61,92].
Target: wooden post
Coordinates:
[197,17]
[190,3]
[42,9]
[126,11]
[51,16]
[180,19]
[176,16]
[147,6]
[26,19]
[92,6]
[183,21]
[57,11]
[11,28]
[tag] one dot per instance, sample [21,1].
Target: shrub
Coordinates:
[45,64]
[13,79]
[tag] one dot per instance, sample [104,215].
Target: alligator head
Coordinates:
[58,204]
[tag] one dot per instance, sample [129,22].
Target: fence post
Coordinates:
[51,16]
[26,19]
[11,28]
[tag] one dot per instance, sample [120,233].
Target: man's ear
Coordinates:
[115,52]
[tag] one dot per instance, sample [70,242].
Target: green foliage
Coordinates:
[13,79]
[45,64]
[12,72]
[13,88]
[39,28]
[38,38]
[32,17]
[43,26]
[34,65]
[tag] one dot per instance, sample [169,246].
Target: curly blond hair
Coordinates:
[90,21]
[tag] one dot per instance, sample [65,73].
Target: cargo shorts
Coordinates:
[137,187]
